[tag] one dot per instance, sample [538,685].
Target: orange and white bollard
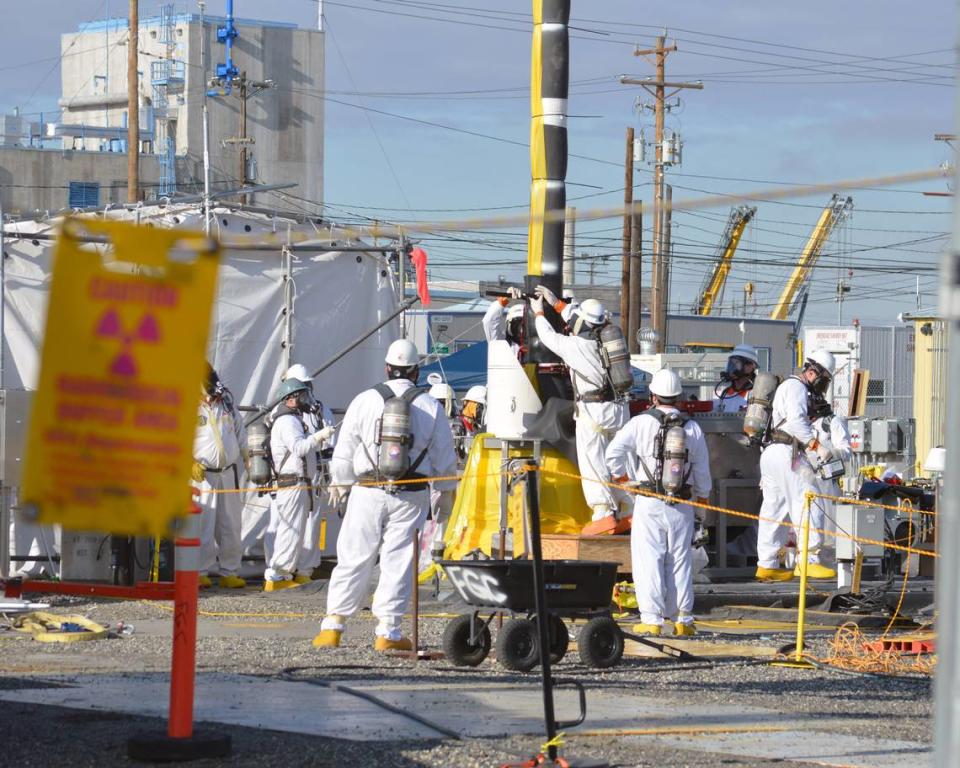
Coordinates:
[181,742]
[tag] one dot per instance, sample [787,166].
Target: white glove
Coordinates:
[514,293]
[548,296]
[536,305]
[323,435]
[444,507]
[336,495]
[824,453]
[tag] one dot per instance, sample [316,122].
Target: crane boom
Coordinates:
[836,211]
[713,286]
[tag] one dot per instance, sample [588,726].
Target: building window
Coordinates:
[876,392]
[84,194]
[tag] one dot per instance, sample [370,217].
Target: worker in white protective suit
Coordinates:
[834,434]
[219,459]
[504,322]
[316,417]
[383,510]
[730,395]
[661,538]
[787,472]
[598,413]
[293,448]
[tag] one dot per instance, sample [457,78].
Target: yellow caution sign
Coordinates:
[111,429]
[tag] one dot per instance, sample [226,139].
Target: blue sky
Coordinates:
[793,93]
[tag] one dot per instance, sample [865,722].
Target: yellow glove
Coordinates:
[197,472]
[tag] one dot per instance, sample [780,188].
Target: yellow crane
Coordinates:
[713,286]
[836,211]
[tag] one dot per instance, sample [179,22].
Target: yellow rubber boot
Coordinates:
[232,582]
[648,629]
[773,574]
[328,638]
[302,578]
[817,571]
[276,586]
[386,644]
[204,581]
[680,629]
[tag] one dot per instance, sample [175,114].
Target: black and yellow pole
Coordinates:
[549,84]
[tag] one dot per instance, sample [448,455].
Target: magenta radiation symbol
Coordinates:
[110,326]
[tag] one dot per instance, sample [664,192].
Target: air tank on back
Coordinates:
[257,438]
[616,358]
[756,419]
[393,459]
[674,459]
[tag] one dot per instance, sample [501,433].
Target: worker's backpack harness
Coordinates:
[672,471]
[615,360]
[394,441]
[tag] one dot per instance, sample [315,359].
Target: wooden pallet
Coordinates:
[614,549]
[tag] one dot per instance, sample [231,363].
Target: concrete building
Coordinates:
[80,159]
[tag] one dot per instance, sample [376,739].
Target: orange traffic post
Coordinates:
[181,742]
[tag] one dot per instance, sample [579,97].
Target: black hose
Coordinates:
[288,674]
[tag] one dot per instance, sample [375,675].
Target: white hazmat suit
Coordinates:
[730,401]
[294,450]
[661,536]
[598,422]
[218,446]
[378,521]
[786,476]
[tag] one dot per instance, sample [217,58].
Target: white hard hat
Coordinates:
[441,391]
[666,383]
[476,394]
[515,311]
[593,312]
[747,352]
[402,354]
[824,359]
[297,371]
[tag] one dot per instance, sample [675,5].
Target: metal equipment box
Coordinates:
[86,556]
[884,436]
[859,522]
[859,435]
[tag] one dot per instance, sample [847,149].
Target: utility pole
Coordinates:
[657,87]
[627,250]
[246,89]
[636,281]
[133,106]
[570,248]
[663,273]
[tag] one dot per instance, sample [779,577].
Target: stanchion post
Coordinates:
[805,548]
[416,595]
[181,743]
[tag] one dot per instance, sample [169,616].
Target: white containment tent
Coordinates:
[290,289]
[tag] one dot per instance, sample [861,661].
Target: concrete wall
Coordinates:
[285,122]
[39,179]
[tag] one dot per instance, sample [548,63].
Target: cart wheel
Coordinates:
[517,645]
[456,643]
[600,643]
[559,639]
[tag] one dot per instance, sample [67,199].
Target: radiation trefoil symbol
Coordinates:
[110,326]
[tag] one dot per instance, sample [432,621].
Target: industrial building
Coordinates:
[77,158]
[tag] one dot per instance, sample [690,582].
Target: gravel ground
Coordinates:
[233,643]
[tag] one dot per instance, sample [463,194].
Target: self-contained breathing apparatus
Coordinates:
[759,414]
[734,372]
[671,474]
[263,468]
[614,358]
[395,440]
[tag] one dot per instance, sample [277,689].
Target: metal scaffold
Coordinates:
[167,81]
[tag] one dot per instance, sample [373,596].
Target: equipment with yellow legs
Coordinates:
[797,661]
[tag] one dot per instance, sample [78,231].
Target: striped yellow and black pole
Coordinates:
[549,81]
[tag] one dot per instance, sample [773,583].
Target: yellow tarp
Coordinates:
[476,513]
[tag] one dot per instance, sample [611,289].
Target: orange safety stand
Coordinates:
[182,742]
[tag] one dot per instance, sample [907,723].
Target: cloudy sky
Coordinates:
[428,118]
